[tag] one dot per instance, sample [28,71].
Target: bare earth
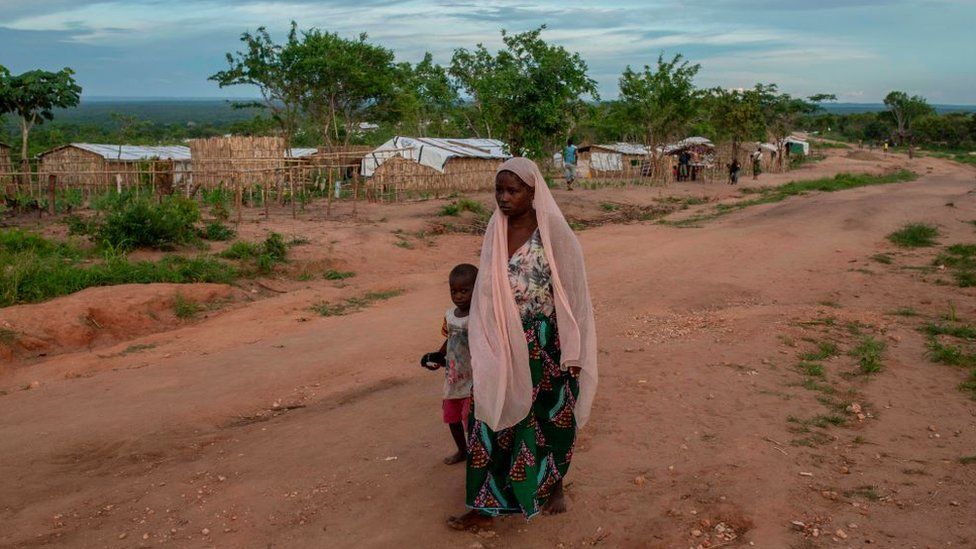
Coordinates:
[267,425]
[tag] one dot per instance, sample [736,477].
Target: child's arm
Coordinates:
[436,360]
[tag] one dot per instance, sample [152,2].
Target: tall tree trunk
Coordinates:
[25,128]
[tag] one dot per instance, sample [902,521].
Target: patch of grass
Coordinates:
[811,369]
[403,243]
[859,440]
[969,385]
[813,385]
[138,348]
[298,241]
[462,205]
[828,303]
[338,275]
[883,258]
[821,321]
[241,250]
[868,355]
[867,492]
[826,420]
[949,354]
[185,308]
[915,235]
[36,269]
[962,331]
[217,231]
[265,255]
[609,206]
[354,304]
[904,311]
[825,350]
[967,460]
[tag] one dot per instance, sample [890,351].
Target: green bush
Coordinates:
[241,250]
[462,205]
[914,235]
[217,231]
[127,221]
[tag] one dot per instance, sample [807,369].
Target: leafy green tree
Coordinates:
[32,97]
[663,100]
[904,110]
[345,81]
[427,97]
[735,116]
[273,70]
[531,94]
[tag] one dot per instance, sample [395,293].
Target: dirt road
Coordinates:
[269,426]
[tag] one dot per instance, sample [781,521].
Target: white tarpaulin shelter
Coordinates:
[685,143]
[793,143]
[433,152]
[135,152]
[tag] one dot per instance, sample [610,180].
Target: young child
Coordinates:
[455,357]
[734,168]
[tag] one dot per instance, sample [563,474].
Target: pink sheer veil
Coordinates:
[499,353]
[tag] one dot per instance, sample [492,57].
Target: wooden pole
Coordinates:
[291,189]
[52,184]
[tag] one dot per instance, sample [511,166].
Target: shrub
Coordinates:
[133,222]
[217,231]
[462,205]
[185,308]
[914,235]
[241,250]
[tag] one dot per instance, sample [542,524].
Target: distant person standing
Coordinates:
[569,163]
[884,148]
[911,151]
[734,168]
[756,163]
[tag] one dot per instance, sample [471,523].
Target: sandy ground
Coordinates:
[267,425]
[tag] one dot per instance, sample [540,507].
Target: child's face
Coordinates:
[461,290]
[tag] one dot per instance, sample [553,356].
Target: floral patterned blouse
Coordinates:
[531,279]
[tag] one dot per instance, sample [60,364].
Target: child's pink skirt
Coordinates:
[456,410]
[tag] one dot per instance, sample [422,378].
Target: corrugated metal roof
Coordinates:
[135,152]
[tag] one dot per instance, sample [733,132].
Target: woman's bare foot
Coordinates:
[472,520]
[455,458]
[556,503]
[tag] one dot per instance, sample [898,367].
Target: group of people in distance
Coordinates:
[519,354]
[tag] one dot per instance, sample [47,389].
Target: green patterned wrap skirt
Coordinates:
[515,469]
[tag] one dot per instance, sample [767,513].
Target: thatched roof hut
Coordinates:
[108,164]
[405,164]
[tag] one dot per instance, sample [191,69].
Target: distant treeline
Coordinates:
[320,88]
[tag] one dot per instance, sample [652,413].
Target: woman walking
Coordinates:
[533,353]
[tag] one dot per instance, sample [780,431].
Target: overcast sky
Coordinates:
[858,49]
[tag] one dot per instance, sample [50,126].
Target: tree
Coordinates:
[531,93]
[344,80]
[904,110]
[427,97]
[272,69]
[663,101]
[735,116]
[33,96]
